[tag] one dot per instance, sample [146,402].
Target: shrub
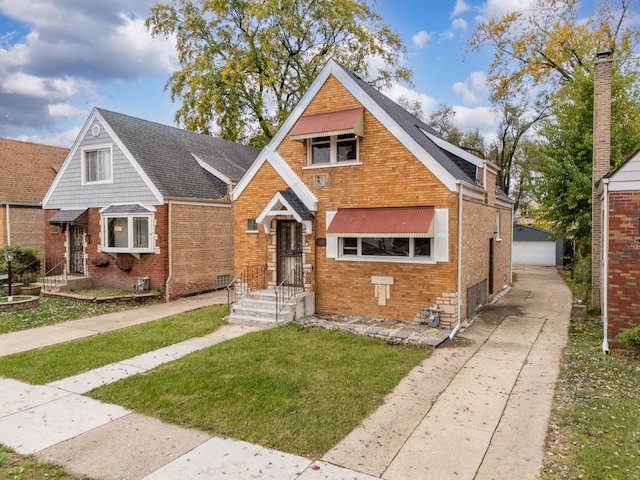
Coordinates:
[630,338]
[25,265]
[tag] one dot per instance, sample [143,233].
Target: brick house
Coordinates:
[27,171]
[620,192]
[372,211]
[137,199]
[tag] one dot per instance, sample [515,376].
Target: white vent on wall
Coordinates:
[320,180]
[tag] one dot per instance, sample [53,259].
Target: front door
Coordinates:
[290,253]
[76,250]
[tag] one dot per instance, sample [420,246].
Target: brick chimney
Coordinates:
[601,166]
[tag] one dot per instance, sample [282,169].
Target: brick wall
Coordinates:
[152,265]
[27,227]
[624,262]
[202,247]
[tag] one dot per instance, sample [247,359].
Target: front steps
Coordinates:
[258,309]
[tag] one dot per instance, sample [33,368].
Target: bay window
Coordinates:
[127,229]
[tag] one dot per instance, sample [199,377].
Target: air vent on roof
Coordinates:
[320,180]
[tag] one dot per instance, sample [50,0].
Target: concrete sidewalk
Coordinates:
[24,340]
[478,408]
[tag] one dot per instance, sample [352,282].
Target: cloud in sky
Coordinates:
[472,88]
[460,8]
[60,49]
[421,38]
[497,8]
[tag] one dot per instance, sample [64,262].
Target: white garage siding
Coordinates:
[534,253]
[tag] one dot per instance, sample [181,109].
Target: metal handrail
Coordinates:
[50,280]
[286,290]
[253,277]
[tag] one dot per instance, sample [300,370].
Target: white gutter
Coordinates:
[457,327]
[6,206]
[169,249]
[605,266]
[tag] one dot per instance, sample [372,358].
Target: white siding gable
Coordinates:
[129,183]
[627,176]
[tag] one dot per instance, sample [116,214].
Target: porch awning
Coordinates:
[285,202]
[67,216]
[327,124]
[393,222]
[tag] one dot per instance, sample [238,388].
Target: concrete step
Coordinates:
[238,319]
[259,309]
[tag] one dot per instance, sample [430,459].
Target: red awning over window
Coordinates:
[414,222]
[327,124]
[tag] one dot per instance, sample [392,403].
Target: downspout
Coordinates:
[169,250]
[458,324]
[605,266]
[8,224]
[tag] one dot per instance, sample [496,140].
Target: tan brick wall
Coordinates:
[201,246]
[27,227]
[601,166]
[390,176]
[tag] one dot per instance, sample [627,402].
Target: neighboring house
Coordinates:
[615,221]
[137,199]
[534,246]
[371,210]
[27,171]
[620,193]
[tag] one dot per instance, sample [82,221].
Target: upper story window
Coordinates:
[97,165]
[332,138]
[127,229]
[333,149]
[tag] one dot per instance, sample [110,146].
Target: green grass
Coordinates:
[54,310]
[291,389]
[595,426]
[25,467]
[60,361]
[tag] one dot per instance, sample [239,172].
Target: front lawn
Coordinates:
[55,310]
[291,389]
[48,364]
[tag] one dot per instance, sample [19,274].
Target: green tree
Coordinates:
[244,64]
[564,189]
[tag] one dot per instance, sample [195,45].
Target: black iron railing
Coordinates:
[289,287]
[56,272]
[249,279]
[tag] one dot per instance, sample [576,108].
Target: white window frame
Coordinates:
[333,151]
[410,258]
[439,244]
[498,239]
[130,236]
[84,171]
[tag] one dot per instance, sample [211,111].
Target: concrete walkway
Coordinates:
[478,408]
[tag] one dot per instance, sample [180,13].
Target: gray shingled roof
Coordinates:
[166,155]
[455,165]
[295,203]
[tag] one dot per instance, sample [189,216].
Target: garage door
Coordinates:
[534,253]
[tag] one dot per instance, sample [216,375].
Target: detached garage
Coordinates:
[534,246]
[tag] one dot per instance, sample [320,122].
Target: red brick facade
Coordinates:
[388,175]
[188,258]
[624,262]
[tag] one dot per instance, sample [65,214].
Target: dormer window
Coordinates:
[332,138]
[333,149]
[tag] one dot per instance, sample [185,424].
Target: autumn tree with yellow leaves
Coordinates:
[549,50]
